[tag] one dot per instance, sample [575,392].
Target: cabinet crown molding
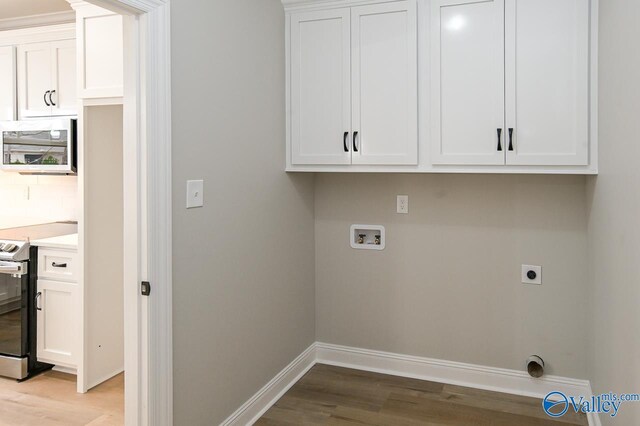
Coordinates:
[295,5]
[37,20]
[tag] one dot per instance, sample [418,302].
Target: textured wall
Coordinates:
[614,219]
[243,264]
[448,285]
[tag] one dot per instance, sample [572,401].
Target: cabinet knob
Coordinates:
[344,142]
[499,139]
[510,138]
[45,98]
[51,98]
[355,143]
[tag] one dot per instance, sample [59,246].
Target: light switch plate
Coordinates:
[538,272]
[195,193]
[402,204]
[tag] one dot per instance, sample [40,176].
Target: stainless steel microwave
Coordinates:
[39,146]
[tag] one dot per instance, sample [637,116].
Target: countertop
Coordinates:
[68,242]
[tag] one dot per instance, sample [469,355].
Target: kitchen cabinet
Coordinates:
[100,52]
[510,82]
[353,85]
[7,83]
[47,79]
[58,307]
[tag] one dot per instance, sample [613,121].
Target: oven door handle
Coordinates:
[11,268]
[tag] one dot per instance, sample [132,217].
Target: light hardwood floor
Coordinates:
[50,399]
[329,395]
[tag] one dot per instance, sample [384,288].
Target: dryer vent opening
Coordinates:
[535,366]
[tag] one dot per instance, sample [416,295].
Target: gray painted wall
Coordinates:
[614,219]
[447,285]
[243,264]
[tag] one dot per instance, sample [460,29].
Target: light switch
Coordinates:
[195,193]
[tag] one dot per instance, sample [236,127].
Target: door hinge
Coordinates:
[145,288]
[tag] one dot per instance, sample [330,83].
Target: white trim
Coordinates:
[298,5]
[37,20]
[38,34]
[455,373]
[106,377]
[270,393]
[147,140]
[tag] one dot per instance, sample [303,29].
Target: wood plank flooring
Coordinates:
[329,395]
[50,399]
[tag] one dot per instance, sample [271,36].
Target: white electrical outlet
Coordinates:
[402,206]
[195,193]
[531,274]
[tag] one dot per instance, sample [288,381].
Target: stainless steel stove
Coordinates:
[18,283]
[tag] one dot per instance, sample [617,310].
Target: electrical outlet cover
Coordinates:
[536,269]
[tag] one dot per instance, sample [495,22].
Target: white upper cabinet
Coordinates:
[353,86]
[100,52]
[384,84]
[7,83]
[442,86]
[46,79]
[467,82]
[547,62]
[321,87]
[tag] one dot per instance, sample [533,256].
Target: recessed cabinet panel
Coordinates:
[7,83]
[56,315]
[320,87]
[64,100]
[34,79]
[547,54]
[384,76]
[467,74]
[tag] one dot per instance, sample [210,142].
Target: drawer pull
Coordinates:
[58,265]
[38,307]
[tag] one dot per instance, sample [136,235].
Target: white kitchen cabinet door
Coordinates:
[56,322]
[547,98]
[7,83]
[64,100]
[321,87]
[467,82]
[47,79]
[384,83]
[34,79]
[100,52]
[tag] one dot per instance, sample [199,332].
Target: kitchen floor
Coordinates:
[329,395]
[50,399]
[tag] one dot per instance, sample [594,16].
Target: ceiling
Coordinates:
[19,8]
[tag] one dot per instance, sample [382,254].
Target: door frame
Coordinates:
[147,210]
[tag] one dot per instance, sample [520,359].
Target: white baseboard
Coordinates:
[67,370]
[259,403]
[435,370]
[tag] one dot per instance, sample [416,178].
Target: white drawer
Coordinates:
[59,265]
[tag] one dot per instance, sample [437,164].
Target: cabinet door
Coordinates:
[547,62]
[34,79]
[320,87]
[384,83]
[57,340]
[467,82]
[7,83]
[63,63]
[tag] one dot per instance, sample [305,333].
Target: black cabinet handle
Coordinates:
[37,299]
[51,98]
[355,145]
[499,139]
[58,265]
[510,138]
[344,142]
[45,97]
